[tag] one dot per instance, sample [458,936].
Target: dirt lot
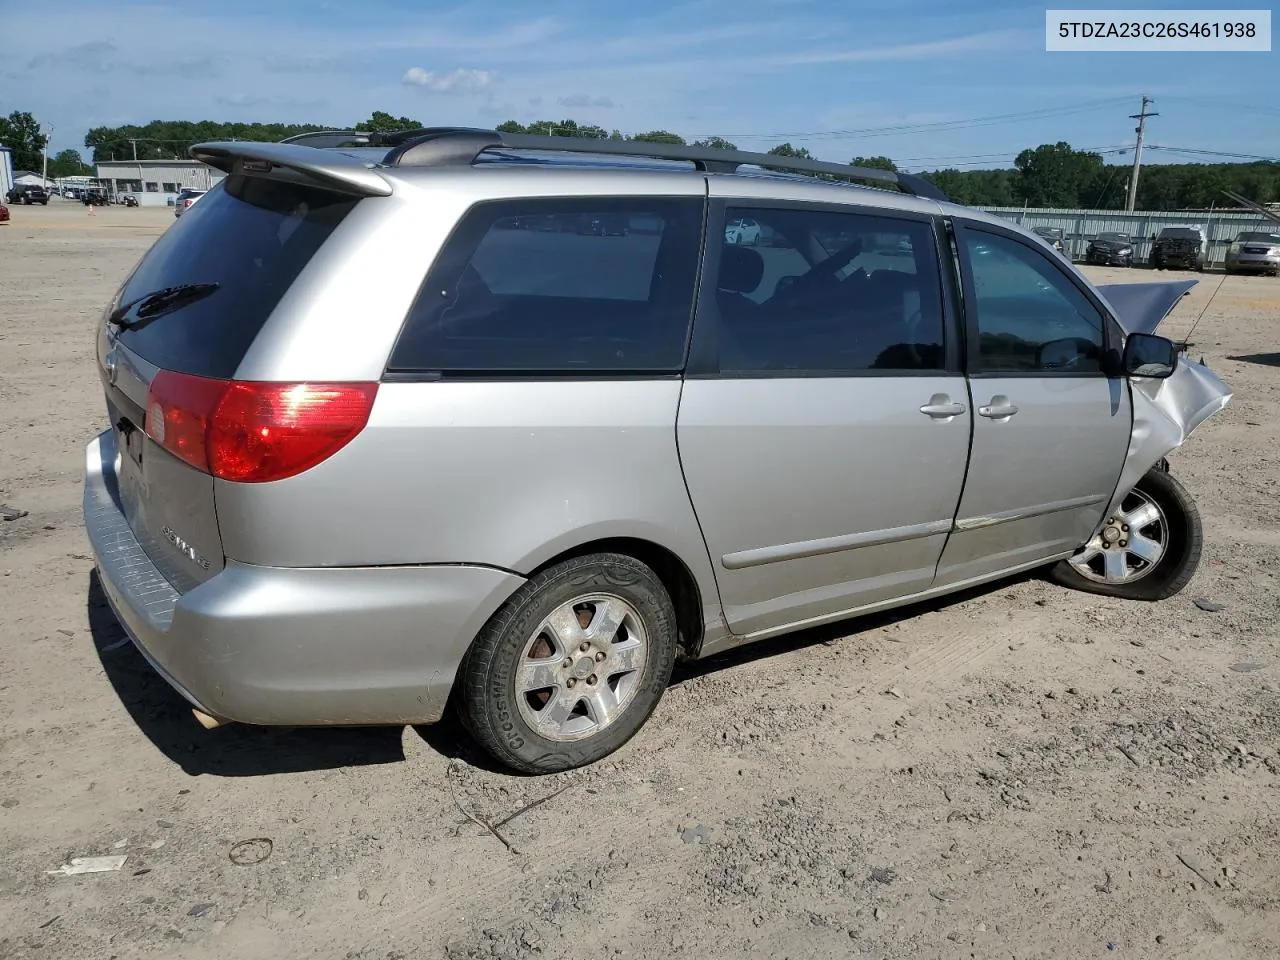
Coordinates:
[1051,775]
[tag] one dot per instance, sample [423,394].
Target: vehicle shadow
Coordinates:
[450,740]
[235,750]
[843,630]
[1265,359]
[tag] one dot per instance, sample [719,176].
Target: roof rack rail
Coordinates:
[330,138]
[441,146]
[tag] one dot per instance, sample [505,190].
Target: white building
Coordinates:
[155,182]
[6,172]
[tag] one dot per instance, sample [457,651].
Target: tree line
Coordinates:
[1050,175]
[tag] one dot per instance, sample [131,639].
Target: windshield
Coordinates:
[1179,233]
[1115,237]
[1258,238]
[1053,233]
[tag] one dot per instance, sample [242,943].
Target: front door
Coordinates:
[1052,427]
[824,422]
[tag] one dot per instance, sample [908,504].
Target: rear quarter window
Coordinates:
[252,237]
[561,286]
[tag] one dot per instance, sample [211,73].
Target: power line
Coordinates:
[1219,105]
[1216,153]
[910,128]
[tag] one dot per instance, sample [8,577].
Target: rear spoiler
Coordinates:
[325,168]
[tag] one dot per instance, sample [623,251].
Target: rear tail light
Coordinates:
[254,432]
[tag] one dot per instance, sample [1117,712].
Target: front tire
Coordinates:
[571,666]
[1149,550]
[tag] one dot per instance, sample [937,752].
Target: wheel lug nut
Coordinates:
[591,680]
[1124,527]
[599,656]
[585,647]
[572,683]
[567,663]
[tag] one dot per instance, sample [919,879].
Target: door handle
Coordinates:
[940,407]
[998,409]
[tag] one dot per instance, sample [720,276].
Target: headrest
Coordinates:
[741,269]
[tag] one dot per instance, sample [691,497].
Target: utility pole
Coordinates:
[135,145]
[1137,152]
[44,151]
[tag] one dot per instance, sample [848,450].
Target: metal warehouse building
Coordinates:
[155,182]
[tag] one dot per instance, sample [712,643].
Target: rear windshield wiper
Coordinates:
[151,306]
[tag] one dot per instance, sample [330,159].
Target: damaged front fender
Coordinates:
[1165,412]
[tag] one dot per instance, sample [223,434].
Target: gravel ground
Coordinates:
[1020,771]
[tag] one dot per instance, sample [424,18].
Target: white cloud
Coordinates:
[928,50]
[464,81]
[585,100]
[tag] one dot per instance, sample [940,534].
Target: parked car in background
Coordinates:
[742,230]
[1054,237]
[1110,250]
[355,470]
[28,194]
[127,200]
[1179,247]
[1255,252]
[95,197]
[185,199]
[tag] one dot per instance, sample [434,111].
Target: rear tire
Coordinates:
[529,689]
[1176,529]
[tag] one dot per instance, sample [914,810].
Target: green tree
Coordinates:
[874,163]
[1055,175]
[20,132]
[716,143]
[787,150]
[381,122]
[660,136]
[69,163]
[510,126]
[170,139]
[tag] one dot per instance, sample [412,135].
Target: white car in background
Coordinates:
[743,231]
[185,199]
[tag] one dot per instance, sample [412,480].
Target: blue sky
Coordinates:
[829,74]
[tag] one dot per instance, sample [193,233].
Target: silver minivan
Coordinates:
[389,431]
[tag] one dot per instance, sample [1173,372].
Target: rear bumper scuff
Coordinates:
[293,646]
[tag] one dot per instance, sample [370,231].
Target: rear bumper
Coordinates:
[289,645]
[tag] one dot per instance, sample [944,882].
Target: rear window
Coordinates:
[1179,233]
[559,286]
[251,237]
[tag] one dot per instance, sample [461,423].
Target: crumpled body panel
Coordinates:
[1164,411]
[1141,306]
[1164,414]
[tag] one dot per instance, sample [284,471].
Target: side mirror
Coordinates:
[1147,355]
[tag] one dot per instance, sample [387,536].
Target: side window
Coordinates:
[1031,318]
[559,286]
[814,290]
